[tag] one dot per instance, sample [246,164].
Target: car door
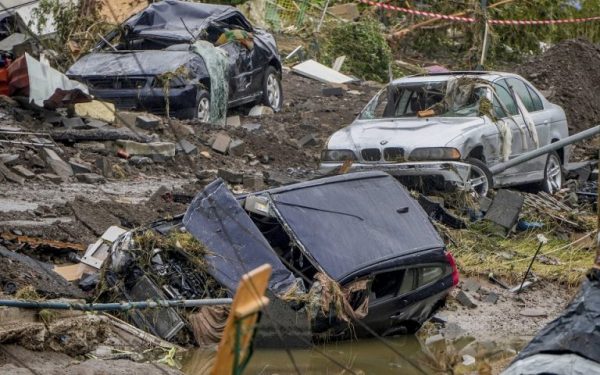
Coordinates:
[540,117]
[240,70]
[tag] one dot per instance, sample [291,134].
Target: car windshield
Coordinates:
[425,99]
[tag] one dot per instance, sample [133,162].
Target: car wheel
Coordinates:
[553,175]
[272,92]
[202,111]
[480,178]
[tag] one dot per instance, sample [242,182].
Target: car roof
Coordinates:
[437,77]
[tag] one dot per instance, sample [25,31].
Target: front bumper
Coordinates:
[453,173]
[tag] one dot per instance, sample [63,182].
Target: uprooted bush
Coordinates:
[368,55]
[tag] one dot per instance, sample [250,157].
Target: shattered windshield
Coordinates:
[453,98]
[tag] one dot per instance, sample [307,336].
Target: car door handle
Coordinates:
[398,316]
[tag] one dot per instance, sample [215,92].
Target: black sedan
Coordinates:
[194,59]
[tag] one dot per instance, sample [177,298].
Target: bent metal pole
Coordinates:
[501,167]
[114,306]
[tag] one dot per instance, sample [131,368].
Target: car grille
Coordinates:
[116,83]
[371,154]
[395,154]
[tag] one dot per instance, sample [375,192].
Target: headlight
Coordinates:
[435,153]
[337,155]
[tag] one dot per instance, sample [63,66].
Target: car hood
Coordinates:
[140,63]
[407,133]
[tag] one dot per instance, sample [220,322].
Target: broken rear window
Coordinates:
[424,99]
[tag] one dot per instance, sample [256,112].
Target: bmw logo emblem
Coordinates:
[384,142]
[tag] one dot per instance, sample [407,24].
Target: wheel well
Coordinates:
[477,153]
[276,64]
[560,152]
[205,83]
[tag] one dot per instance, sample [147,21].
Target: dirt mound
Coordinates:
[569,73]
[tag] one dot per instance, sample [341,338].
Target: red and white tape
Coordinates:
[471,19]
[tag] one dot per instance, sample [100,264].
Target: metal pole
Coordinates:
[486,33]
[322,16]
[498,168]
[114,306]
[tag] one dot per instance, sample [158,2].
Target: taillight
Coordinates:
[454,268]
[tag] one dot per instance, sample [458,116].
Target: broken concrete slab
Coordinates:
[236,147]
[260,110]
[21,170]
[186,147]
[505,208]
[90,178]
[11,176]
[165,149]
[9,159]
[251,127]
[470,285]
[147,121]
[253,182]
[79,167]
[105,167]
[58,166]
[320,72]
[234,121]
[231,176]
[491,298]
[50,177]
[337,64]
[73,123]
[221,143]
[94,123]
[96,109]
[307,141]
[466,299]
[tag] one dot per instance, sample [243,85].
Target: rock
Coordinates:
[96,124]
[466,299]
[534,313]
[37,161]
[230,176]
[332,91]
[58,166]
[234,121]
[260,110]
[205,154]
[491,298]
[51,117]
[96,109]
[236,148]
[21,170]
[11,176]
[203,175]
[435,340]
[9,159]
[307,140]
[73,123]
[470,285]
[90,178]
[105,167]
[80,167]
[164,149]
[354,92]
[147,121]
[126,118]
[253,182]
[221,143]
[97,147]
[139,161]
[251,127]
[505,208]
[186,147]
[468,360]
[50,177]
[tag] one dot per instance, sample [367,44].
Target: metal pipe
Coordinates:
[501,167]
[114,306]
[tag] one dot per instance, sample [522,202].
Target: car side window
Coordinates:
[429,274]
[519,89]
[537,101]
[503,94]
[387,284]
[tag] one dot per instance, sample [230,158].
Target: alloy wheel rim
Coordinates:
[273,91]
[553,175]
[203,109]
[478,182]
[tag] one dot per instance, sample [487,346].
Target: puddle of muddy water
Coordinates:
[362,357]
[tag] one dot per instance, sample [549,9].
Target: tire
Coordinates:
[553,174]
[480,173]
[272,90]
[202,110]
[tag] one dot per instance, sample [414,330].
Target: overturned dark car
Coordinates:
[194,59]
[354,254]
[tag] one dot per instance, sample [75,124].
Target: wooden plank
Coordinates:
[249,299]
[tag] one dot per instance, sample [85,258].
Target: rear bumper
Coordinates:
[453,173]
[150,99]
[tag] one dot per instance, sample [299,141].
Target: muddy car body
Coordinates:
[415,130]
[381,249]
[158,41]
